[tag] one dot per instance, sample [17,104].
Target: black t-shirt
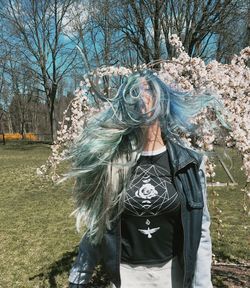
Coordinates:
[151,223]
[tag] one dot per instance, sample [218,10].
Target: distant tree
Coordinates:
[147,25]
[5,95]
[34,28]
[90,29]
[234,34]
[22,85]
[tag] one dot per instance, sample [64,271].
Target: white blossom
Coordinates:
[230,82]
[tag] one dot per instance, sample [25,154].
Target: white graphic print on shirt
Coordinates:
[148,231]
[149,192]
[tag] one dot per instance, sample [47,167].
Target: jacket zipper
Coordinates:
[184,233]
[120,249]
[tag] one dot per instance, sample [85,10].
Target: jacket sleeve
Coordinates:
[87,259]
[202,274]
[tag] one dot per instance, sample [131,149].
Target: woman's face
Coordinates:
[147,95]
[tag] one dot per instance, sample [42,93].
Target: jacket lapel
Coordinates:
[181,156]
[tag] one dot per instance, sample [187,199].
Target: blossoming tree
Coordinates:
[229,81]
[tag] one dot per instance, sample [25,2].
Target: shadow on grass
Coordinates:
[57,268]
[99,278]
[230,276]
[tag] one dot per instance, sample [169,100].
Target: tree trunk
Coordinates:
[2,129]
[10,126]
[52,96]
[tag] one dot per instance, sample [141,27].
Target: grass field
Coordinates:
[38,239]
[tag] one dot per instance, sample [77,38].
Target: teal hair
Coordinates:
[110,144]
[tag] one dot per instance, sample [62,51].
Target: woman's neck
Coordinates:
[153,138]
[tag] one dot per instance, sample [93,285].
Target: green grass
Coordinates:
[232,243]
[37,236]
[38,239]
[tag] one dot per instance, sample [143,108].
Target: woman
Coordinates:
[141,192]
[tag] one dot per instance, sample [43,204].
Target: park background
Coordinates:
[40,68]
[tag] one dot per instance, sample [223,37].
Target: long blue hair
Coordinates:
[110,144]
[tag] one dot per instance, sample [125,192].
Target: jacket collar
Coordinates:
[181,156]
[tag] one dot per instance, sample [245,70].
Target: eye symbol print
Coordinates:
[147,191]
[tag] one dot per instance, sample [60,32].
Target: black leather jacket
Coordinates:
[189,180]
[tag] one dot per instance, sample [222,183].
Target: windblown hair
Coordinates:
[110,144]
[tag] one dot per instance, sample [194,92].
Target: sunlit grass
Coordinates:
[36,231]
[38,238]
[232,241]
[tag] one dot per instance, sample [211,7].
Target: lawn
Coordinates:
[38,239]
